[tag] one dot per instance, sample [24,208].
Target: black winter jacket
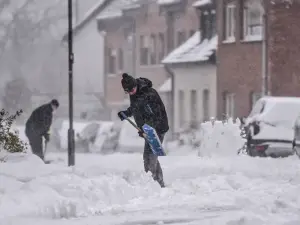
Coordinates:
[40,120]
[147,107]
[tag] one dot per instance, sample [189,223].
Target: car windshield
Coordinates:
[258,108]
[297,123]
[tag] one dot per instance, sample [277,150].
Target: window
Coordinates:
[253,20]
[213,22]
[181,108]
[205,102]
[111,61]
[180,38]
[194,107]
[230,22]
[229,105]
[205,25]
[153,50]
[208,24]
[120,59]
[161,46]
[144,51]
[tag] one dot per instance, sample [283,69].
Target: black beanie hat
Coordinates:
[128,82]
[55,102]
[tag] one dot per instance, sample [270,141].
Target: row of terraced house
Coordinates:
[207,58]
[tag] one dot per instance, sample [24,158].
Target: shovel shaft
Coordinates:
[130,121]
[133,124]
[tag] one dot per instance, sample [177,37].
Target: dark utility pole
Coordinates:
[71,142]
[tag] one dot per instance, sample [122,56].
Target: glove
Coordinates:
[121,116]
[47,137]
[141,134]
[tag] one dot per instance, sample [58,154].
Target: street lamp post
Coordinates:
[71,142]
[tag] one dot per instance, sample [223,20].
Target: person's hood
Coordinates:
[143,83]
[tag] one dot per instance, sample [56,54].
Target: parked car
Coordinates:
[269,126]
[296,140]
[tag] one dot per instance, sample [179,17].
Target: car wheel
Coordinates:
[250,152]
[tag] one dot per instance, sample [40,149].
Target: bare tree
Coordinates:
[30,46]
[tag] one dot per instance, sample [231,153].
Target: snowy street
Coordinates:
[114,189]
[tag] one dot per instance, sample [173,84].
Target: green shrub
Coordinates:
[9,140]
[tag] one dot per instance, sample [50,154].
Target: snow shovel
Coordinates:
[45,151]
[150,136]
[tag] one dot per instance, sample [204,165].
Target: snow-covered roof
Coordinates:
[92,10]
[193,50]
[166,86]
[201,3]
[88,16]
[114,9]
[167,2]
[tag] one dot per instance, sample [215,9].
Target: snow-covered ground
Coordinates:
[113,189]
[217,188]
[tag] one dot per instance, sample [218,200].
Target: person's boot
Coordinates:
[161,183]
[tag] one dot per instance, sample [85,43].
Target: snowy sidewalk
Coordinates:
[114,190]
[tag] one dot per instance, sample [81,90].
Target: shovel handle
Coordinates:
[130,121]
[133,124]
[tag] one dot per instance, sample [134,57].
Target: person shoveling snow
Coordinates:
[38,126]
[146,107]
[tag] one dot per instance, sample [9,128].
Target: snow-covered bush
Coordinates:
[9,140]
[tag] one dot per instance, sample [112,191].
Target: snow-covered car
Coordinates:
[62,132]
[98,137]
[296,140]
[269,126]
[129,140]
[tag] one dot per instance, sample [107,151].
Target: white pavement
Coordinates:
[114,190]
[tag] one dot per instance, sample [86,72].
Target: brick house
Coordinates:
[194,69]
[258,52]
[126,28]
[138,34]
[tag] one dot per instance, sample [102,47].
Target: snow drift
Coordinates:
[221,189]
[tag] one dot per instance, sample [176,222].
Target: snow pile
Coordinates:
[28,187]
[114,190]
[220,138]
[213,138]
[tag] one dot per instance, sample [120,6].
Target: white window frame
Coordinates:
[193,106]
[144,50]
[181,100]
[253,28]
[230,22]
[230,105]
[153,49]
[206,104]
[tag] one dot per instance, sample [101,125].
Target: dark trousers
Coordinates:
[36,143]
[152,164]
